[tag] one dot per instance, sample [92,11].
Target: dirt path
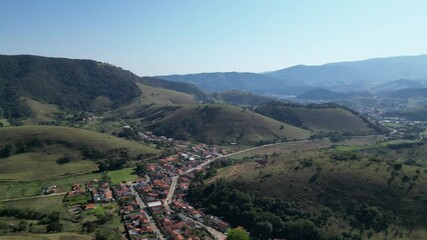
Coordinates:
[33,197]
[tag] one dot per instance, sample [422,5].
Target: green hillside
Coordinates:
[317,117]
[42,152]
[343,192]
[153,96]
[68,83]
[242,98]
[223,124]
[183,87]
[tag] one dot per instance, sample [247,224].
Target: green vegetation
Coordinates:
[125,174]
[97,141]
[51,236]
[69,84]
[225,124]
[45,152]
[18,189]
[237,234]
[319,118]
[40,112]
[242,98]
[182,87]
[302,192]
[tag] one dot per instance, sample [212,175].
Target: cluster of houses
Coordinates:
[155,205]
[157,192]
[100,192]
[151,138]
[134,217]
[173,225]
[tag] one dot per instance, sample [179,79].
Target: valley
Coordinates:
[176,161]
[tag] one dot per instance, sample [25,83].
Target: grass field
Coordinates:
[99,141]
[331,119]
[157,96]
[125,174]
[12,189]
[40,112]
[53,236]
[43,204]
[358,142]
[107,127]
[4,122]
[41,165]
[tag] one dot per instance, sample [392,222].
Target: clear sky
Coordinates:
[171,36]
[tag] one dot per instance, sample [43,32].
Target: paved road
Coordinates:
[147,214]
[171,192]
[249,149]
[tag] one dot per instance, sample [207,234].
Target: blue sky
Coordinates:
[166,37]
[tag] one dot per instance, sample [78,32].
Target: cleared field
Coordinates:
[99,141]
[125,174]
[41,165]
[11,189]
[310,145]
[40,112]
[53,236]
[42,204]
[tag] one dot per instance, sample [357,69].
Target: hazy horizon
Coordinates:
[181,37]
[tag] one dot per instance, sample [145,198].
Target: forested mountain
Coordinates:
[70,84]
[340,76]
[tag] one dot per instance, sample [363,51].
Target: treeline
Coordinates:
[280,112]
[264,217]
[51,220]
[33,144]
[270,217]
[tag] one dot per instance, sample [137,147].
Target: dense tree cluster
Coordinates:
[281,112]
[264,217]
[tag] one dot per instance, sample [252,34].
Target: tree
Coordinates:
[22,226]
[301,230]
[54,227]
[105,177]
[89,226]
[54,216]
[264,229]
[105,234]
[141,168]
[237,234]
[7,150]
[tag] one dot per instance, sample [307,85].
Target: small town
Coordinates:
[154,206]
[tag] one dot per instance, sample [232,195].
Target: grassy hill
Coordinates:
[242,98]
[361,191]
[154,96]
[224,124]
[183,87]
[41,152]
[317,117]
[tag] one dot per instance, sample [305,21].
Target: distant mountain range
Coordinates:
[373,75]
